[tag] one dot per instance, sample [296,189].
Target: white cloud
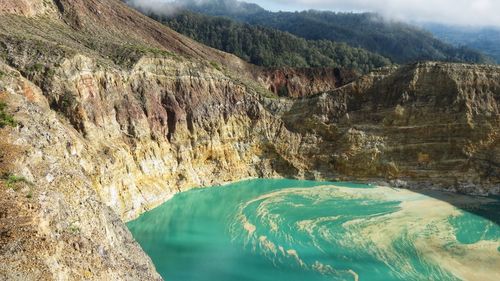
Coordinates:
[461,12]
[158,6]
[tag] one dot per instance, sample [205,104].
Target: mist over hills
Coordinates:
[397,41]
[484,39]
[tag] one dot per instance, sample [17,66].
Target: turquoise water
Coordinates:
[303,230]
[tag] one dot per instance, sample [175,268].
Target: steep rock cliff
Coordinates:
[430,123]
[303,82]
[53,224]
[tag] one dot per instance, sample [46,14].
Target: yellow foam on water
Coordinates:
[421,220]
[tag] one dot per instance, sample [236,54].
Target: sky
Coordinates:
[456,12]
[473,13]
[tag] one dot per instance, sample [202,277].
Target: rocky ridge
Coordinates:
[303,82]
[107,129]
[433,124]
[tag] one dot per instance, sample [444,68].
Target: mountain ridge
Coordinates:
[269,47]
[400,42]
[485,39]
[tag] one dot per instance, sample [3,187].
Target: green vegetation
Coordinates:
[270,47]
[37,46]
[215,65]
[66,101]
[50,73]
[12,181]
[38,67]
[2,74]
[35,69]
[5,118]
[74,229]
[127,55]
[486,40]
[402,43]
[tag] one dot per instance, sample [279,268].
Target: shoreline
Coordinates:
[395,184]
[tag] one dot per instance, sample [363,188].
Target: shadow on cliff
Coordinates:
[489,209]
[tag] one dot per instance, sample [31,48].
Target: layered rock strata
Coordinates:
[433,124]
[303,82]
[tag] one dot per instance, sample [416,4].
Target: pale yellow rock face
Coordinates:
[168,125]
[106,143]
[433,124]
[55,226]
[163,127]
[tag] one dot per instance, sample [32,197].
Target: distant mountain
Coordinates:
[402,43]
[486,40]
[222,7]
[270,47]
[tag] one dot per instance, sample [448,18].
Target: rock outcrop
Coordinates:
[27,8]
[433,124]
[53,224]
[115,114]
[303,82]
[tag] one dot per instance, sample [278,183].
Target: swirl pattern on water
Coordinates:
[286,230]
[368,234]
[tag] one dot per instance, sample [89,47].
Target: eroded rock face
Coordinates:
[163,127]
[429,123]
[168,125]
[28,8]
[299,83]
[53,224]
[101,141]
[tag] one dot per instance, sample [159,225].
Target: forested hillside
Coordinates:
[270,47]
[400,42]
[486,40]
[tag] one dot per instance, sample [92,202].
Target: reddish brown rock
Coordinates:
[303,82]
